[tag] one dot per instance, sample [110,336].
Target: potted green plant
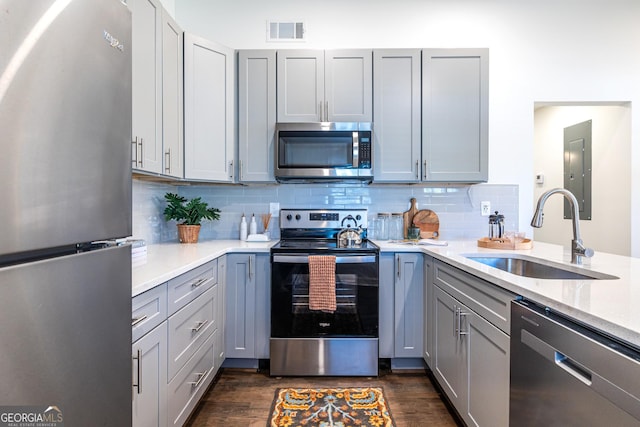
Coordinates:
[189,214]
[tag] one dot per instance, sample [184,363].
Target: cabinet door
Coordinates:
[408,305]
[386,295]
[397,129]
[300,78]
[150,379]
[448,350]
[256,115]
[428,310]
[487,376]
[262,274]
[146,96]
[208,110]
[241,306]
[221,312]
[348,88]
[455,103]
[172,97]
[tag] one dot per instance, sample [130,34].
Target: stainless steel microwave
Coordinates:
[319,151]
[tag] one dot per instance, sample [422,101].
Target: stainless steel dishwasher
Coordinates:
[566,374]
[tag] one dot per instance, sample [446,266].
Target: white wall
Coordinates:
[544,50]
[609,228]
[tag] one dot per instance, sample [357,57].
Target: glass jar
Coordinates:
[396,227]
[382,226]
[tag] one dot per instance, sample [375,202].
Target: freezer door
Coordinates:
[66,336]
[65,116]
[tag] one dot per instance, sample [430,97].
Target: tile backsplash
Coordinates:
[458,207]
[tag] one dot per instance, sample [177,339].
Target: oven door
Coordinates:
[356,314]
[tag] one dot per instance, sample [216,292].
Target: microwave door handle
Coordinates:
[356,150]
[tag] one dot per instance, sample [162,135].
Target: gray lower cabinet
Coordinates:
[401,305]
[247,325]
[149,357]
[256,115]
[177,349]
[470,354]
[455,115]
[428,310]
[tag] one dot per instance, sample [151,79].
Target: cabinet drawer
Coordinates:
[188,286]
[486,299]
[185,390]
[189,328]
[148,310]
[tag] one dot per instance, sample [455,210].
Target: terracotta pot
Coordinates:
[188,233]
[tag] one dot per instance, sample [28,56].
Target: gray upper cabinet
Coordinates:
[172,97]
[455,104]
[209,135]
[256,115]
[396,80]
[332,85]
[146,93]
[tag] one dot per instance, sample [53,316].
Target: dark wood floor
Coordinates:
[243,398]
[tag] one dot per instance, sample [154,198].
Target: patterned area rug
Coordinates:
[330,407]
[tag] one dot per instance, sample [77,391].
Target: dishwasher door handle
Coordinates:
[573,368]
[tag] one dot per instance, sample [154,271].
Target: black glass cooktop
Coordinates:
[320,244]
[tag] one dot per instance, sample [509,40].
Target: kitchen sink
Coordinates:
[526,266]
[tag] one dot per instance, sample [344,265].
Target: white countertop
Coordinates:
[168,260]
[612,306]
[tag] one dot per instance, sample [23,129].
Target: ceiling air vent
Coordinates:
[285,31]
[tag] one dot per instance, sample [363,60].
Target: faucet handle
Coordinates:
[581,250]
[588,252]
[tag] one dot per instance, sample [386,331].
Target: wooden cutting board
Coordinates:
[428,223]
[407,216]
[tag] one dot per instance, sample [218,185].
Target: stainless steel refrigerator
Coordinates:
[65,182]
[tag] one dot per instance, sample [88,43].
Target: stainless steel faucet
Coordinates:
[578,250]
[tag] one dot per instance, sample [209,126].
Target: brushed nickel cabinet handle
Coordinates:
[417,169]
[138,357]
[424,169]
[201,376]
[141,159]
[198,282]
[136,320]
[199,326]
[134,160]
[167,158]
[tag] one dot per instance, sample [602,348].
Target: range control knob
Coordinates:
[298,217]
[289,217]
[358,217]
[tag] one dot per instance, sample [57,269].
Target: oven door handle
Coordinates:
[304,259]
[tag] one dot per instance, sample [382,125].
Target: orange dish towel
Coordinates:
[322,283]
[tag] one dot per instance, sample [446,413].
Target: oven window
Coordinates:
[356,302]
[315,149]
